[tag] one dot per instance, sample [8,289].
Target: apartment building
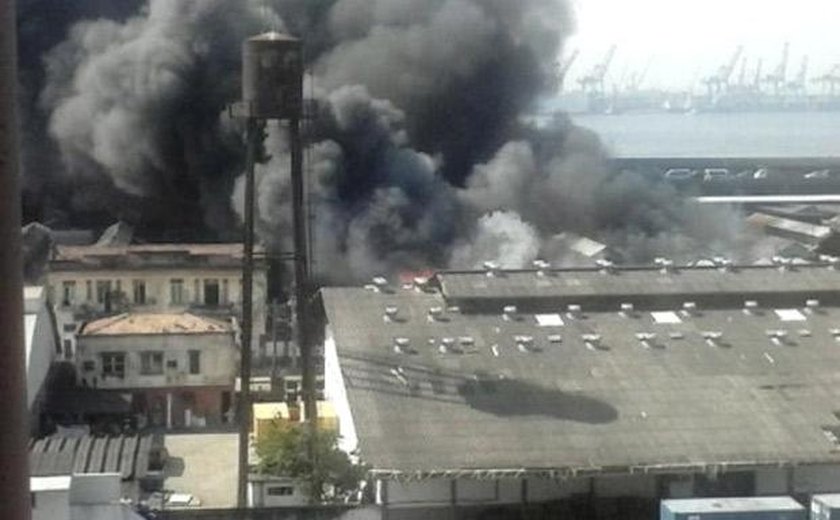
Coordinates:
[178,369]
[90,282]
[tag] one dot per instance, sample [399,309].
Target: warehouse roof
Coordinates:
[135,323]
[654,288]
[434,388]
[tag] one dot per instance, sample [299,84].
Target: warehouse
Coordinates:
[589,387]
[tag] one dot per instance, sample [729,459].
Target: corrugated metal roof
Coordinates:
[58,455]
[604,390]
[128,324]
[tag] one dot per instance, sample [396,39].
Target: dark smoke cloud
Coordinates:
[417,156]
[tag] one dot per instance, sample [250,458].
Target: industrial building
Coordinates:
[179,369]
[569,390]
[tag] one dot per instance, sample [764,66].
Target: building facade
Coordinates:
[89,282]
[177,369]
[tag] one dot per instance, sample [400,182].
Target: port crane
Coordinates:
[798,85]
[593,83]
[719,82]
[778,78]
[563,68]
[830,80]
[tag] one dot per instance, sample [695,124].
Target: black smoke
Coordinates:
[417,156]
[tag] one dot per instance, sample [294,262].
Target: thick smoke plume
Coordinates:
[417,157]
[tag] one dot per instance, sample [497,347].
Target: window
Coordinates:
[69,327]
[176,291]
[68,293]
[225,292]
[88,291]
[197,291]
[88,366]
[151,363]
[113,364]
[103,288]
[172,363]
[195,362]
[280,491]
[211,293]
[139,292]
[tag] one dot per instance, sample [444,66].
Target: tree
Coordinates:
[284,450]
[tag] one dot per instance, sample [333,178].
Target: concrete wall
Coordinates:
[218,361]
[40,350]
[336,392]
[51,505]
[260,494]
[816,479]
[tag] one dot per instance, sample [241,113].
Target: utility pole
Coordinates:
[14,477]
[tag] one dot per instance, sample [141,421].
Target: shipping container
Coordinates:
[746,508]
[825,507]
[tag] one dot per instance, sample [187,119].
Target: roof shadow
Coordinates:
[511,398]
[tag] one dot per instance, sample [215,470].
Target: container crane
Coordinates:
[830,80]
[719,82]
[563,68]
[797,86]
[593,82]
[778,78]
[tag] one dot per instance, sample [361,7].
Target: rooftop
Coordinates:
[58,456]
[144,256]
[635,383]
[132,324]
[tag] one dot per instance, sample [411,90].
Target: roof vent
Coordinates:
[666,265]
[391,313]
[555,338]
[689,309]
[781,262]
[524,343]
[723,263]
[777,336]
[380,282]
[494,348]
[466,341]
[628,310]
[712,337]
[447,345]
[574,311]
[646,339]
[542,267]
[676,335]
[371,288]
[750,307]
[805,333]
[435,314]
[402,345]
[592,341]
[835,333]
[812,305]
[605,266]
[491,269]
[509,313]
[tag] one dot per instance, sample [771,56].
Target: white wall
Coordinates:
[51,505]
[217,363]
[336,392]
[259,494]
[40,345]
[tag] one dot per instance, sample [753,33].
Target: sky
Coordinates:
[681,41]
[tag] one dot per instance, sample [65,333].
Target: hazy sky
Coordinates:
[684,40]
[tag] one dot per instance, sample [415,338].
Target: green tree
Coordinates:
[311,457]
